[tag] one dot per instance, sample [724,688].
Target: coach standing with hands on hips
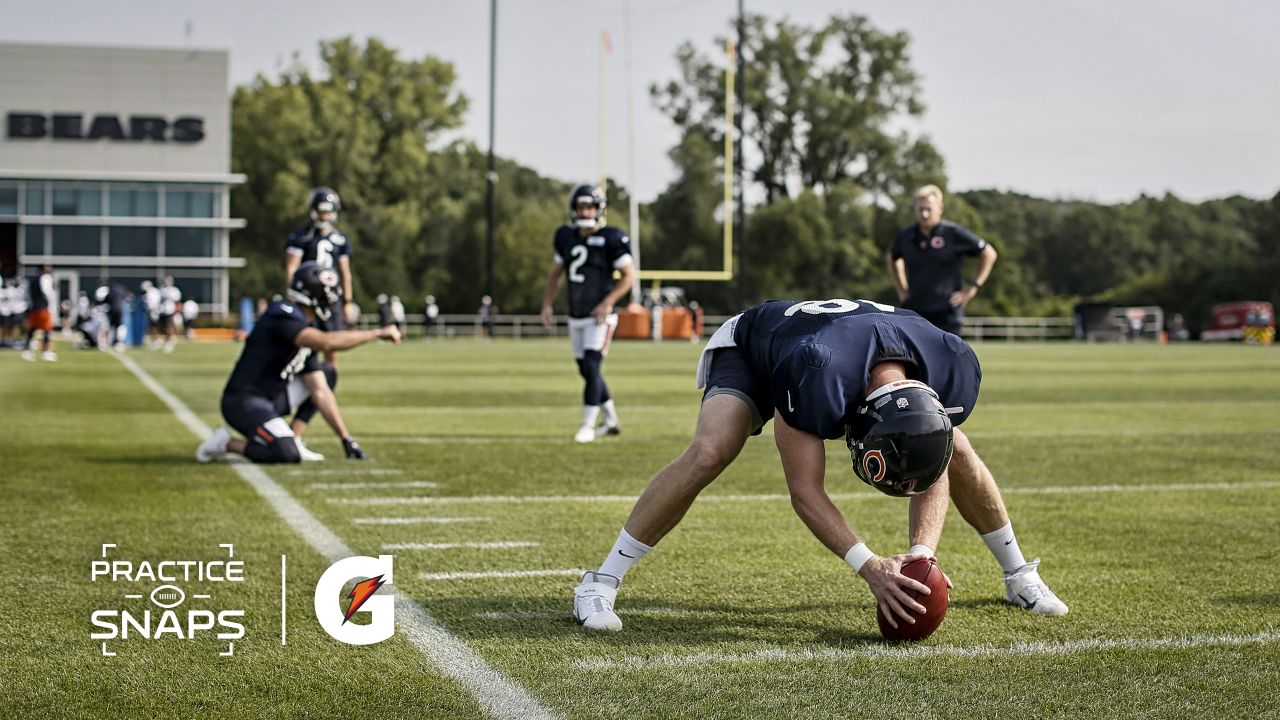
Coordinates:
[926,263]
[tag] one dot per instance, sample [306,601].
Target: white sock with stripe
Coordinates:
[1004,545]
[626,552]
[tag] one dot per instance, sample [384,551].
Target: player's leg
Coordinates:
[612,424]
[976,496]
[267,437]
[580,330]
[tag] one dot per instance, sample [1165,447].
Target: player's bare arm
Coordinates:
[804,464]
[898,272]
[553,286]
[322,341]
[291,262]
[623,286]
[344,265]
[986,261]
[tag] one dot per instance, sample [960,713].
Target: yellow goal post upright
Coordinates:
[725,274]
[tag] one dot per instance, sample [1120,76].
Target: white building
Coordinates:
[115,162]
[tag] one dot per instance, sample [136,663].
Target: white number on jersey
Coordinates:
[324,253]
[834,307]
[579,253]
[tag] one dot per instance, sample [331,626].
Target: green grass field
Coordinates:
[1145,476]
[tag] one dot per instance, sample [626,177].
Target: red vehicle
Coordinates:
[1251,321]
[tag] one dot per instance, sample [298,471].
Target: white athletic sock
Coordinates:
[589,415]
[626,552]
[610,413]
[1004,546]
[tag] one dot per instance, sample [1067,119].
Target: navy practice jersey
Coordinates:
[816,358]
[934,263]
[589,263]
[270,357]
[324,250]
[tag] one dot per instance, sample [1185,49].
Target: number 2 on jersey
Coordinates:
[833,307]
[579,253]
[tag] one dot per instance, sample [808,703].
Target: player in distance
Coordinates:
[266,381]
[587,252]
[889,383]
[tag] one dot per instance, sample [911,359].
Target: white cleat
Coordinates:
[214,446]
[306,453]
[28,356]
[1024,588]
[585,434]
[593,602]
[604,430]
[49,356]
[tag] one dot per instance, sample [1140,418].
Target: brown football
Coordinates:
[935,603]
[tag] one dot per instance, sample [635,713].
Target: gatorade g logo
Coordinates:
[373,573]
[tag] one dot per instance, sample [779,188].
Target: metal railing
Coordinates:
[530,326]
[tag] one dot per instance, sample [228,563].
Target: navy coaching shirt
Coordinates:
[816,358]
[270,358]
[589,263]
[934,263]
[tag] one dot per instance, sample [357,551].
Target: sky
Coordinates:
[1083,99]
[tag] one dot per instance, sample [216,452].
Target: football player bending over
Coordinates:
[892,385]
[588,251]
[261,389]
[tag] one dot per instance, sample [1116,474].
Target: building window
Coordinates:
[134,202]
[132,241]
[33,239]
[77,199]
[8,199]
[189,203]
[195,288]
[188,242]
[35,201]
[77,240]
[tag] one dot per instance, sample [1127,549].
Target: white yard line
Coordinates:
[497,694]
[566,614]
[408,484]
[418,520]
[576,572]
[911,652]
[350,469]
[495,545]
[779,497]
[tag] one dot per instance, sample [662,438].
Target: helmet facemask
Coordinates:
[586,195]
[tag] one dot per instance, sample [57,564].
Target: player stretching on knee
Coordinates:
[258,393]
[588,251]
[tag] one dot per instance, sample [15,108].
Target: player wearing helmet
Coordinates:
[268,378]
[588,252]
[321,243]
[889,383]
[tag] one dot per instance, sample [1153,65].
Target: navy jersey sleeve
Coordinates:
[560,245]
[895,250]
[342,249]
[966,242]
[297,242]
[287,322]
[619,246]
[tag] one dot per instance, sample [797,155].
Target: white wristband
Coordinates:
[920,550]
[858,556]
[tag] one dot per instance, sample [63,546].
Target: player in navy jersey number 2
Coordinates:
[885,380]
[587,252]
[266,384]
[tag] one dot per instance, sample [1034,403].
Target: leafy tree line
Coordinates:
[821,105]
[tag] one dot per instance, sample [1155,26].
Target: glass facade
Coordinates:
[33,240]
[134,201]
[188,242]
[188,203]
[133,241]
[77,199]
[8,198]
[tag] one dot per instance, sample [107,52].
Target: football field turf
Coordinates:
[1144,476]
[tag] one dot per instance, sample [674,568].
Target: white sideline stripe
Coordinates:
[566,614]
[496,545]
[500,574]
[418,520]
[313,472]
[373,485]
[497,694]
[779,497]
[912,652]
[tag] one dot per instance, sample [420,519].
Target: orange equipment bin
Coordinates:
[633,323]
[677,323]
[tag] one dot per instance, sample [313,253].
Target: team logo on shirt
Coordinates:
[937,242]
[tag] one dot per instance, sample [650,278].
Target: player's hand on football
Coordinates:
[390,332]
[889,585]
[546,316]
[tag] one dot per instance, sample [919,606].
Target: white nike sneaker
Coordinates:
[593,602]
[214,446]
[49,356]
[307,454]
[608,430]
[1024,588]
[585,434]
[28,356]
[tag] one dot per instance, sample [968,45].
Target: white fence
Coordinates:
[526,326]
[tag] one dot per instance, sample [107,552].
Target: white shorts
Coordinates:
[585,334]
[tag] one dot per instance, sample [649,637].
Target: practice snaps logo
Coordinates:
[364,598]
[162,615]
